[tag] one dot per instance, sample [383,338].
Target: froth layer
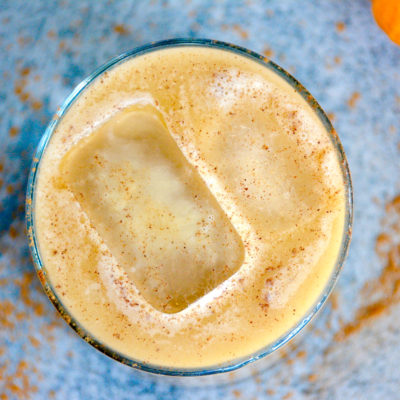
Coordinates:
[268,163]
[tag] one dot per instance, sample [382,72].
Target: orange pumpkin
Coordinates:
[387,16]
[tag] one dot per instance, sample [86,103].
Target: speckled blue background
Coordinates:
[335,49]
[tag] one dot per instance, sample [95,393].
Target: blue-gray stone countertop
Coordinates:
[340,55]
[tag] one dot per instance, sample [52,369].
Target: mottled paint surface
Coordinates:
[336,50]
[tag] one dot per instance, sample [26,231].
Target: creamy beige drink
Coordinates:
[190,207]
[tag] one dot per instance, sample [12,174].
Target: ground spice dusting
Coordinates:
[24,285]
[337,60]
[13,232]
[312,377]
[385,290]
[36,105]
[25,71]
[20,90]
[268,52]
[51,34]
[19,377]
[240,31]
[353,100]
[18,384]
[13,131]
[237,393]
[121,29]
[331,116]
[301,354]
[333,298]
[340,26]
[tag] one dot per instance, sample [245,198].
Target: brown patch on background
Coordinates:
[37,105]
[13,131]
[240,31]
[195,27]
[312,377]
[384,290]
[121,29]
[353,100]
[340,26]
[18,380]
[301,354]
[21,92]
[268,52]
[34,341]
[25,71]
[333,298]
[237,393]
[18,384]
[331,116]
[19,89]
[287,396]
[23,41]
[24,284]
[13,232]
[6,311]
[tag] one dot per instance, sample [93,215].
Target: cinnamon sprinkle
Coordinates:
[268,52]
[353,100]
[121,29]
[340,26]
[240,31]
[387,285]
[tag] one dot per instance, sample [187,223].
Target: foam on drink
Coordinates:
[227,156]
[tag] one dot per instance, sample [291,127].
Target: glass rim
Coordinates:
[30,211]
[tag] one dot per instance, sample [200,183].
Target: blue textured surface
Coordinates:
[48,47]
